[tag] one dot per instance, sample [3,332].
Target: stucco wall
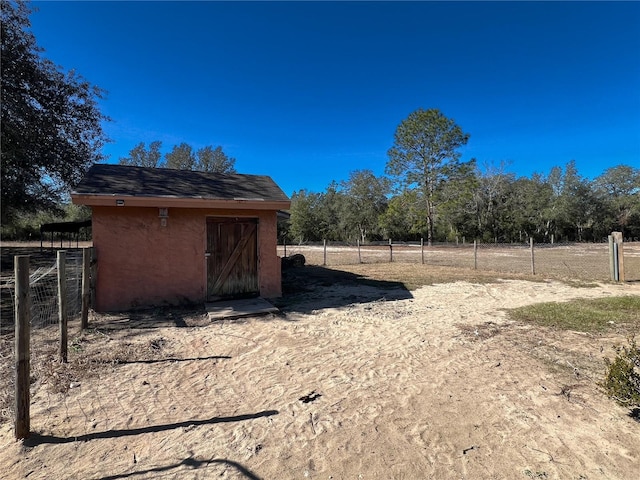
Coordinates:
[141,263]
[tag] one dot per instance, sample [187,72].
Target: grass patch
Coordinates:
[596,315]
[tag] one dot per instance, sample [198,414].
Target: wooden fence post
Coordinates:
[390,251]
[22,353]
[475,254]
[62,305]
[324,262]
[86,279]
[619,243]
[94,276]
[533,262]
[422,249]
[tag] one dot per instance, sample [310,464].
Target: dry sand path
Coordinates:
[440,385]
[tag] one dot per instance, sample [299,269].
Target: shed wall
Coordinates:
[142,263]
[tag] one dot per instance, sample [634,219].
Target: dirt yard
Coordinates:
[355,379]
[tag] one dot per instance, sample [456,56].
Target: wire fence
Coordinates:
[44,320]
[581,261]
[43,285]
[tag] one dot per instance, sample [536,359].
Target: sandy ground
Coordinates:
[350,382]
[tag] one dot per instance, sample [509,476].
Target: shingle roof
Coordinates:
[107,179]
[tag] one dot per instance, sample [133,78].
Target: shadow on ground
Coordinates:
[304,289]
[36,439]
[173,360]
[154,317]
[190,463]
[311,287]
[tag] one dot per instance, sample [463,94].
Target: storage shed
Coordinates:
[165,236]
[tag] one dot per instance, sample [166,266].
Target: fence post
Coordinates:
[475,254]
[619,242]
[612,259]
[86,279]
[22,353]
[533,263]
[94,276]
[62,304]
[324,262]
[359,255]
[422,249]
[390,252]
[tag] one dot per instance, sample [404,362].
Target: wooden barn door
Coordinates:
[232,258]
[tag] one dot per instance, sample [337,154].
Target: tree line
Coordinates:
[429,193]
[490,205]
[181,157]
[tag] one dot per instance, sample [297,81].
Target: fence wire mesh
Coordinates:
[43,290]
[580,261]
[44,320]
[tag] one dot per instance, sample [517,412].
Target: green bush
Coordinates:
[622,380]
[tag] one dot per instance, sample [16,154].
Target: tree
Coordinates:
[214,160]
[457,202]
[619,189]
[577,205]
[139,156]
[207,159]
[51,126]
[181,158]
[404,216]
[527,206]
[491,202]
[365,200]
[304,221]
[328,214]
[424,155]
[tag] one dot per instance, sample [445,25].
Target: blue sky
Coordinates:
[307,92]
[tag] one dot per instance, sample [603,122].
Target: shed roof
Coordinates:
[124,180]
[64,227]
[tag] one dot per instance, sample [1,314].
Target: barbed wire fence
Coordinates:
[579,261]
[43,321]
